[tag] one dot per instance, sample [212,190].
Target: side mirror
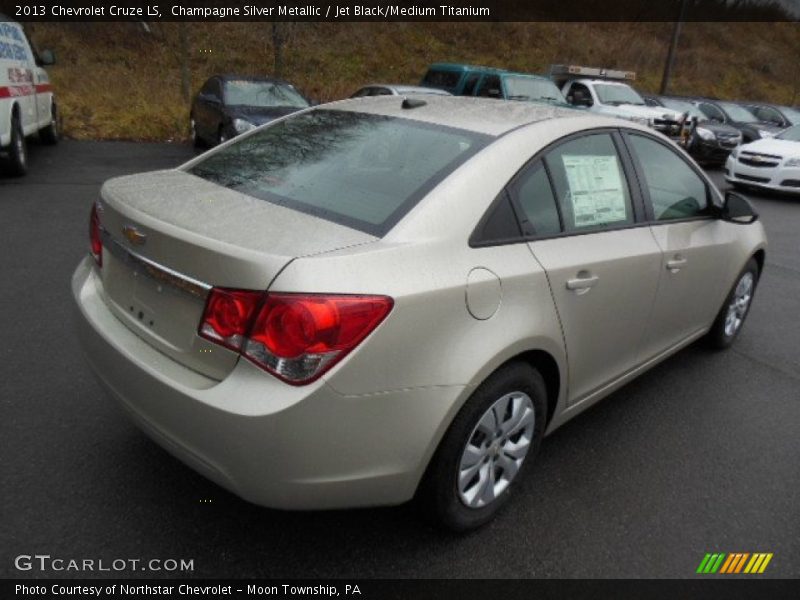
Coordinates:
[737,209]
[47,58]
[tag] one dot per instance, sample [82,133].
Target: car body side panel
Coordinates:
[603,325]
[689,296]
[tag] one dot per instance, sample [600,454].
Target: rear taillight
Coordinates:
[296,337]
[228,316]
[95,237]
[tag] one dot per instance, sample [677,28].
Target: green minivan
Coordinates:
[490,82]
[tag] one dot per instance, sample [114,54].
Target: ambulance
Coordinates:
[27,104]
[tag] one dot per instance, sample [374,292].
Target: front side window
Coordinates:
[712,112]
[262,94]
[738,113]
[361,170]
[590,183]
[675,190]
[490,87]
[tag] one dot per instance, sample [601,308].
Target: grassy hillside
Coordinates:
[116,81]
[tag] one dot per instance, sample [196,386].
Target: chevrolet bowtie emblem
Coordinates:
[133,235]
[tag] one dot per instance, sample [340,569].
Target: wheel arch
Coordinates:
[760,255]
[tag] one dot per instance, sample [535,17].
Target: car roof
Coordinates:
[235,77]
[482,115]
[526,75]
[402,88]
[465,67]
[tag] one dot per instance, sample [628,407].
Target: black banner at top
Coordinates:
[401,10]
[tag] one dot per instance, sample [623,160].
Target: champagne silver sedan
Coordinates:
[391,298]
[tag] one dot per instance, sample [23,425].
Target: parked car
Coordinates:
[488,82]
[607,92]
[27,103]
[228,105]
[707,141]
[729,113]
[779,116]
[390,89]
[288,315]
[771,163]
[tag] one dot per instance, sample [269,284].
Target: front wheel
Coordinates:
[734,311]
[493,438]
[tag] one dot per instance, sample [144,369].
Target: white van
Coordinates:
[27,104]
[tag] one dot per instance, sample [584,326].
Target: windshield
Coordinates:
[262,94]
[684,107]
[792,114]
[738,113]
[617,94]
[361,170]
[528,88]
[792,134]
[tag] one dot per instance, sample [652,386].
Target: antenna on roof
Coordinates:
[413,103]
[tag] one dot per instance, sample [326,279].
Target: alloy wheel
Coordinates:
[496,449]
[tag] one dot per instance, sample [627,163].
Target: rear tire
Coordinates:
[735,309]
[487,449]
[17,160]
[51,134]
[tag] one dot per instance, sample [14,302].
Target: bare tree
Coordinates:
[281,34]
[183,55]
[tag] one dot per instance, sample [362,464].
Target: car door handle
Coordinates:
[582,283]
[676,264]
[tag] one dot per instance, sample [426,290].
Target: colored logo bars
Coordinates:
[736,562]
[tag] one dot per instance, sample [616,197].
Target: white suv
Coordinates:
[27,104]
[616,99]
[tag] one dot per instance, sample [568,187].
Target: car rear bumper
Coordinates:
[271,443]
[780,179]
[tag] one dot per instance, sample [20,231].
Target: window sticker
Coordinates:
[596,190]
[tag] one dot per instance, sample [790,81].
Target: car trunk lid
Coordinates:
[170,236]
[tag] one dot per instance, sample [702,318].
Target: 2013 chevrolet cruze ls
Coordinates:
[393,297]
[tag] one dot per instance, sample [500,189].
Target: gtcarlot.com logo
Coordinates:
[734,563]
[45,562]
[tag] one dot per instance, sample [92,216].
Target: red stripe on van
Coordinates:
[15,91]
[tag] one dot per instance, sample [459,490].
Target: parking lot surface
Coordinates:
[701,454]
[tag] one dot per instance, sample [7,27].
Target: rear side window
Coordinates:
[446,80]
[589,182]
[361,170]
[675,190]
[469,84]
[536,202]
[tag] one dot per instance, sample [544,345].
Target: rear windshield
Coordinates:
[262,94]
[528,88]
[360,170]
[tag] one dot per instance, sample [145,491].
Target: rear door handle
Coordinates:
[676,264]
[582,283]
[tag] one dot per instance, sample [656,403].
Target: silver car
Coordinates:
[367,302]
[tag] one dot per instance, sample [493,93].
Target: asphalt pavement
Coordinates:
[701,454]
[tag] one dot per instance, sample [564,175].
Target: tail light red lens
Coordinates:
[296,337]
[228,315]
[95,237]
